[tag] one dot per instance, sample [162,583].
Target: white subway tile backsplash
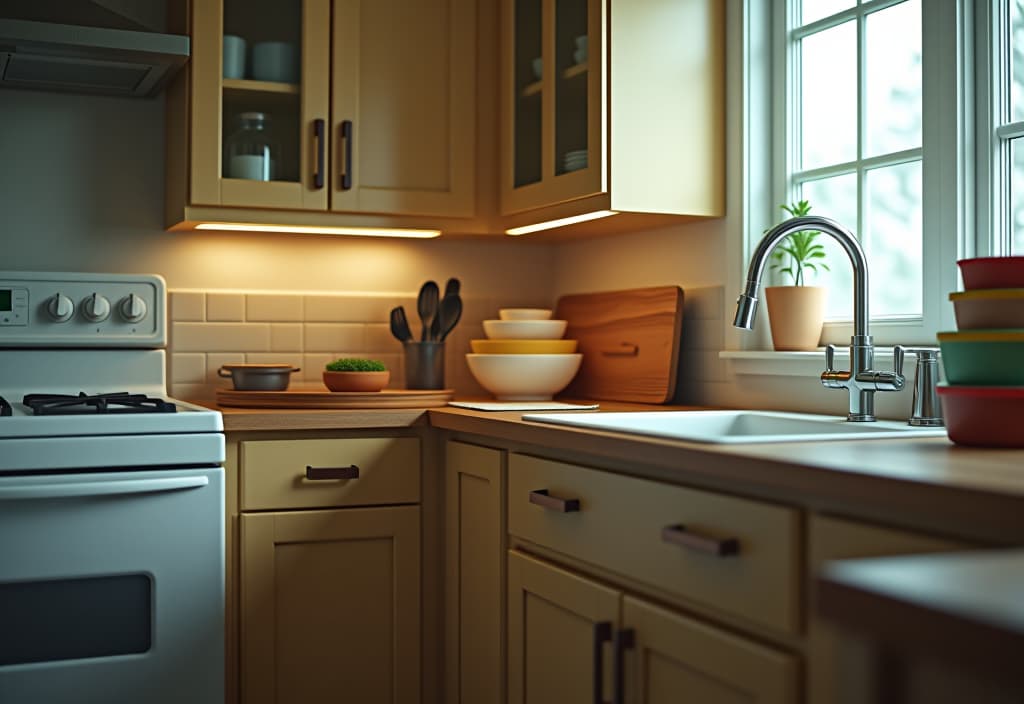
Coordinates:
[379,337]
[225,307]
[313,365]
[345,338]
[286,337]
[353,309]
[273,308]
[187,368]
[220,337]
[187,306]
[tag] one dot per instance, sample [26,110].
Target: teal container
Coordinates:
[983,357]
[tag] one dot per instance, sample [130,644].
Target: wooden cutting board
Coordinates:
[306,398]
[629,340]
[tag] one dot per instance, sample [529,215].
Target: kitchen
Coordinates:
[83,190]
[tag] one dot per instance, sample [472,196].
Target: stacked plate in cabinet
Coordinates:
[575,160]
[983,397]
[524,357]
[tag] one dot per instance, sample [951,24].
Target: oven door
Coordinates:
[112,587]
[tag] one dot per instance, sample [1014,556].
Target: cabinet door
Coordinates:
[404,107]
[559,626]
[553,95]
[835,667]
[330,606]
[474,574]
[678,659]
[264,58]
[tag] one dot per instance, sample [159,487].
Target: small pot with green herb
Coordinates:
[796,312]
[356,374]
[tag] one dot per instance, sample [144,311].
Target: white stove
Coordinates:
[111,500]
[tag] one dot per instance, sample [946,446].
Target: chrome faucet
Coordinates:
[861,380]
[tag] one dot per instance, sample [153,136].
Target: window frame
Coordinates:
[948,227]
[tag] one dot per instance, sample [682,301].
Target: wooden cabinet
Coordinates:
[831,538]
[329,594]
[474,574]
[368,110]
[612,106]
[572,639]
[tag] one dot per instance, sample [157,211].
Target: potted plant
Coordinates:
[356,374]
[796,312]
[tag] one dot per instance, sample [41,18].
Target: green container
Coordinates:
[983,357]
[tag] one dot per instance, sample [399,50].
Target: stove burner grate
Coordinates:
[83,403]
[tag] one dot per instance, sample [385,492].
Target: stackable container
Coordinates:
[983,396]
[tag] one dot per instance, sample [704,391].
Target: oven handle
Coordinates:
[113,488]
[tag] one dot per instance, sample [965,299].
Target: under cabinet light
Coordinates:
[314,230]
[561,222]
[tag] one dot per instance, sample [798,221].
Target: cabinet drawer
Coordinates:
[619,525]
[273,472]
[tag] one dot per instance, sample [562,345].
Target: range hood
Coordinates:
[84,46]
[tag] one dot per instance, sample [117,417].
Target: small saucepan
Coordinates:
[258,377]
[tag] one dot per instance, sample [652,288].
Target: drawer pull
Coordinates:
[318,473]
[542,498]
[624,640]
[602,634]
[679,535]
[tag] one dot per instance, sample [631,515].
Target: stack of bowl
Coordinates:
[983,397]
[524,357]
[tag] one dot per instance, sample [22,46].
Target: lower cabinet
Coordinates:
[571,639]
[329,555]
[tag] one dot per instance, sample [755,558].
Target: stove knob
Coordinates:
[133,308]
[96,308]
[60,308]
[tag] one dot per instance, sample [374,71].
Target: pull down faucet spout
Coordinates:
[861,380]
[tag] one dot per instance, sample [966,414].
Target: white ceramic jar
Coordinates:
[251,150]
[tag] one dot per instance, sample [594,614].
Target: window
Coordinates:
[873,135]
[1002,34]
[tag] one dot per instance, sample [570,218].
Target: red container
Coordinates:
[984,416]
[992,272]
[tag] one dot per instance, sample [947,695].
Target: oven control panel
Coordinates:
[60,309]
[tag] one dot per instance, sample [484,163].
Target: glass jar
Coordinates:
[251,150]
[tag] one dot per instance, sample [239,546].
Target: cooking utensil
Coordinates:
[451,287]
[400,325]
[258,377]
[426,306]
[451,311]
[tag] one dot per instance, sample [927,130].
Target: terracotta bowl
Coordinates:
[356,381]
[523,346]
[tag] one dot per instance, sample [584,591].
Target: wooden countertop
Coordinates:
[964,609]
[924,483]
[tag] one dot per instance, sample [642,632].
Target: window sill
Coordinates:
[771,363]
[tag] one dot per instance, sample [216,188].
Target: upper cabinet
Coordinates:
[614,105]
[317,108]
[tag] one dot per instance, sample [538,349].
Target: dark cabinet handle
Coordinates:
[347,145]
[317,473]
[318,136]
[602,634]
[679,535]
[624,640]
[541,497]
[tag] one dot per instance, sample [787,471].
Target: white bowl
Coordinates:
[525,313]
[524,329]
[524,377]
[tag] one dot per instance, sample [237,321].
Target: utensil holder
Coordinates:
[424,365]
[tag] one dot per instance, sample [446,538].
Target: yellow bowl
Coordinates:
[523,346]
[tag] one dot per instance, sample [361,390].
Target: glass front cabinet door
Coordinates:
[354,106]
[553,90]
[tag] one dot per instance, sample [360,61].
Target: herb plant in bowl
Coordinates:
[356,374]
[797,312]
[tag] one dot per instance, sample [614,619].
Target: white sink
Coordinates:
[736,426]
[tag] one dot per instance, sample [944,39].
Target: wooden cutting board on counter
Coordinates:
[629,340]
[322,398]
